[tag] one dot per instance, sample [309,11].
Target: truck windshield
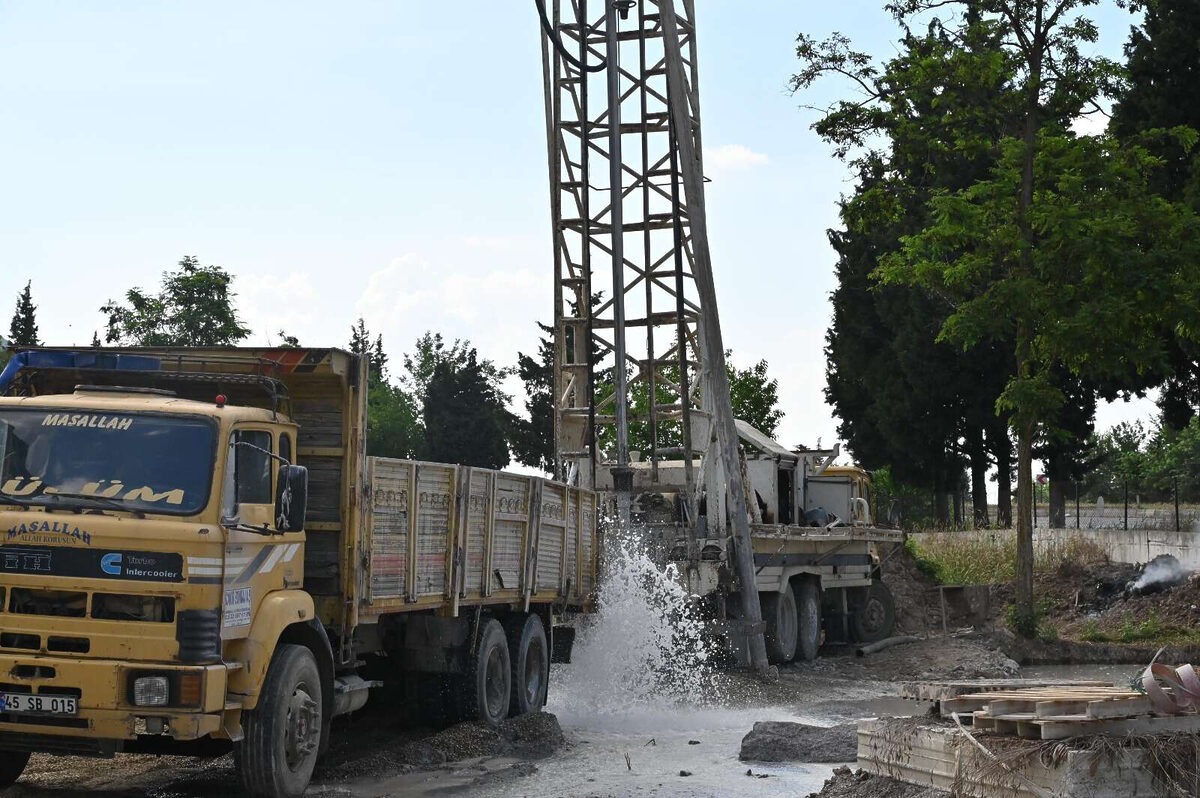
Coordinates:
[139,462]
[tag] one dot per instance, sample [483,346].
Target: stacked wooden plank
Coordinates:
[1056,713]
[944,690]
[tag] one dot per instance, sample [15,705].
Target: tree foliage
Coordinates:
[23,329]
[466,420]
[1162,93]
[533,438]
[194,307]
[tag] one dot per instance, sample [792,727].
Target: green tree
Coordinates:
[1071,220]
[23,329]
[1082,277]
[754,395]
[288,341]
[924,121]
[430,350]
[1160,93]
[362,345]
[194,307]
[466,420]
[96,342]
[532,439]
[394,427]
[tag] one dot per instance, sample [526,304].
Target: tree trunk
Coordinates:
[941,510]
[957,497]
[979,465]
[1058,472]
[1024,587]
[1003,452]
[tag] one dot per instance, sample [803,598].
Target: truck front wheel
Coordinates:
[283,733]
[12,765]
[488,680]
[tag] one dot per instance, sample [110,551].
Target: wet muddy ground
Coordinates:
[630,750]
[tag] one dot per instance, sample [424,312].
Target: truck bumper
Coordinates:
[106,715]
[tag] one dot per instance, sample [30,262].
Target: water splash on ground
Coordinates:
[646,649]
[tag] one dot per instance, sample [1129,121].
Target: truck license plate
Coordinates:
[38,704]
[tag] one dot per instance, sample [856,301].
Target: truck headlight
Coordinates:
[151,691]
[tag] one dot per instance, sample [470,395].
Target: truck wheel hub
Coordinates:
[303,726]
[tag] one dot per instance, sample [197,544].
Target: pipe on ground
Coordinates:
[887,642]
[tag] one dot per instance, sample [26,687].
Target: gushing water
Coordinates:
[646,648]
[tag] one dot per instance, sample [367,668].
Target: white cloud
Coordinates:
[269,303]
[731,157]
[395,290]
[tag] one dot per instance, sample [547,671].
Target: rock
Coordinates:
[536,734]
[776,741]
[685,773]
[693,742]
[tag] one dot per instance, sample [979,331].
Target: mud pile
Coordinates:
[858,784]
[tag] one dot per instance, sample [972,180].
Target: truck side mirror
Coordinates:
[291,498]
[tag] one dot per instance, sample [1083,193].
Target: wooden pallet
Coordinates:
[945,690]
[1060,712]
[1026,699]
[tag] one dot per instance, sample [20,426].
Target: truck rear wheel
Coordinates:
[808,602]
[779,614]
[874,618]
[488,679]
[12,765]
[283,733]
[529,653]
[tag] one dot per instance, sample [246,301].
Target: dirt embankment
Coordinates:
[1089,617]
[846,783]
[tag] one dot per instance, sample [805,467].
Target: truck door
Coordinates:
[256,562]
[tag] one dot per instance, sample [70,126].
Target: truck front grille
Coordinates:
[21,641]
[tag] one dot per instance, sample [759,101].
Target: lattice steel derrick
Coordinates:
[662,310]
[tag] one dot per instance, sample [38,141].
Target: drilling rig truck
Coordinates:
[196,554]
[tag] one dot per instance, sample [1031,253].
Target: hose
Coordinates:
[558,45]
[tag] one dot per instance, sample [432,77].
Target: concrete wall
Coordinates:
[1133,546]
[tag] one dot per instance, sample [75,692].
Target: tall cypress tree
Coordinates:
[1162,92]
[23,330]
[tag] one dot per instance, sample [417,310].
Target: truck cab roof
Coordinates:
[116,400]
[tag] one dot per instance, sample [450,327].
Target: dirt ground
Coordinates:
[847,783]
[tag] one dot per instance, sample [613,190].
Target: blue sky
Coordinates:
[387,159]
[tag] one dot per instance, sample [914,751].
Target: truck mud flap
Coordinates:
[562,641]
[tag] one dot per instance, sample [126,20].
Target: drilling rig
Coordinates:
[622,101]
[641,393]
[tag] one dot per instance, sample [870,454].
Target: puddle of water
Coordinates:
[642,671]
[1116,674]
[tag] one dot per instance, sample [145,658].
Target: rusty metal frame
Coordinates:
[662,306]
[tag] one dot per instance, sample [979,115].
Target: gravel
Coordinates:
[859,784]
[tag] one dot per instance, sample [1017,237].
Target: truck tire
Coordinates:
[487,682]
[283,733]
[874,617]
[12,765]
[779,615]
[528,651]
[808,603]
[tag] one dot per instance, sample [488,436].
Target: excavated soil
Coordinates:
[846,783]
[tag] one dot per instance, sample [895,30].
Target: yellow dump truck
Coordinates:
[196,554]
